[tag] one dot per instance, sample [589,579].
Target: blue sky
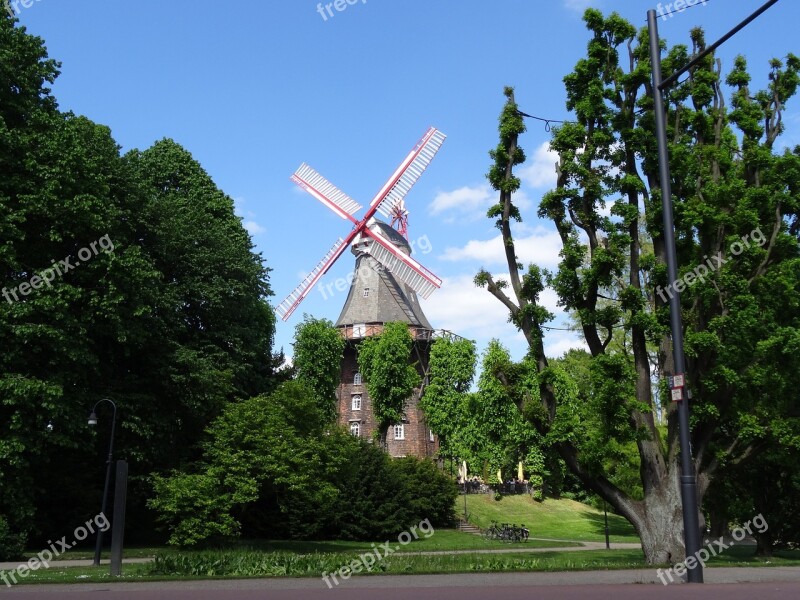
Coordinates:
[254,88]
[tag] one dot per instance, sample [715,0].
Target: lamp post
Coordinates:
[93,421]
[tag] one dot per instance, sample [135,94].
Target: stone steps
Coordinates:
[467,528]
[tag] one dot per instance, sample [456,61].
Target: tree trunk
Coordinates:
[764,543]
[660,524]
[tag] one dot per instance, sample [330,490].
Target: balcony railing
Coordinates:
[357,331]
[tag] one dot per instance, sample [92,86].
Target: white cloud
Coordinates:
[472,312]
[578,5]
[558,342]
[541,247]
[471,202]
[464,200]
[252,227]
[540,170]
[247,217]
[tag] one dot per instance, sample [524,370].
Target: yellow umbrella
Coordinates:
[519,471]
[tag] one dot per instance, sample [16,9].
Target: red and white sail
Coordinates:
[389,201]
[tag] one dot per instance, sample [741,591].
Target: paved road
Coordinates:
[762,583]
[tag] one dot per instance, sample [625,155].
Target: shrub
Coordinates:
[11,544]
[427,492]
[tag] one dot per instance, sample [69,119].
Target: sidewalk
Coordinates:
[9,566]
[720,575]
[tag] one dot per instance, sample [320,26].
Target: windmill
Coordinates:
[389,201]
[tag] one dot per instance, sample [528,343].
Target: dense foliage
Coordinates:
[486,428]
[385,361]
[736,196]
[318,349]
[274,467]
[163,307]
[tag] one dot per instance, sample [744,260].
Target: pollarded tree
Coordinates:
[484,428]
[390,378]
[451,370]
[318,348]
[736,202]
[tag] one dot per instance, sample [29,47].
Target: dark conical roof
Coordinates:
[376,295]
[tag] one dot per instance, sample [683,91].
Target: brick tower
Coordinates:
[378,297]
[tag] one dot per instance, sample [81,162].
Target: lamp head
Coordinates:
[92,419]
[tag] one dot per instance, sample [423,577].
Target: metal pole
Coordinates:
[605,517]
[674,77]
[691,524]
[118,523]
[99,544]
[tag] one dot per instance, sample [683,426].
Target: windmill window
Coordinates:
[366,292]
[399,432]
[356,405]
[355,429]
[357,379]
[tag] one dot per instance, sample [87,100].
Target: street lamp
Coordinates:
[93,421]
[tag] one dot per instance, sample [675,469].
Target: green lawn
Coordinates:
[259,564]
[442,540]
[559,519]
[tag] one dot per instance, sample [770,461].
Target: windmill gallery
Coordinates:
[385,290]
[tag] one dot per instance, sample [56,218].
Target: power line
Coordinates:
[546,121]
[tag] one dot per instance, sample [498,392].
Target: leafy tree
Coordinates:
[273,467]
[486,429]
[269,446]
[740,314]
[318,350]
[451,370]
[503,388]
[168,317]
[389,376]
[766,483]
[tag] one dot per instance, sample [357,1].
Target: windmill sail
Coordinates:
[293,300]
[389,202]
[403,266]
[324,191]
[409,172]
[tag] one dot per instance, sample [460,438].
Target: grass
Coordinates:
[560,519]
[443,540]
[224,564]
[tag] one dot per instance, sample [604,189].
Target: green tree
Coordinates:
[451,370]
[270,448]
[168,317]
[318,350]
[389,376]
[484,428]
[739,315]
[274,468]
